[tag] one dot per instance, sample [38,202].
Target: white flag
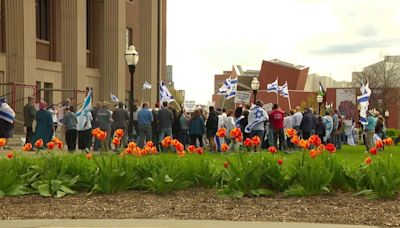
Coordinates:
[273,87]
[257,115]
[146,85]
[363,101]
[165,95]
[284,91]
[82,114]
[114,98]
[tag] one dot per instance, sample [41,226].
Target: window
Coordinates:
[48,92]
[128,40]
[42,19]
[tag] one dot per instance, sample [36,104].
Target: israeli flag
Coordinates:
[273,87]
[6,113]
[363,101]
[146,85]
[165,95]
[284,91]
[114,98]
[257,115]
[82,114]
[231,92]
[225,87]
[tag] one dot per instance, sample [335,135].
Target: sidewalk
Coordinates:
[152,223]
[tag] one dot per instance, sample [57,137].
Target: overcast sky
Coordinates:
[332,37]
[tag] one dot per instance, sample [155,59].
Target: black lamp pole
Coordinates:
[255,96]
[131,101]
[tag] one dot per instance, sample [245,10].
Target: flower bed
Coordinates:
[314,170]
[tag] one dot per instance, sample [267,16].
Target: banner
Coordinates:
[242,97]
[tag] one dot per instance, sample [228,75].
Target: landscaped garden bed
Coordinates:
[194,184]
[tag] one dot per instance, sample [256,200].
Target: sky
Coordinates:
[332,37]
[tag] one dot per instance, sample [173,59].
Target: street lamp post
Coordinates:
[255,85]
[320,99]
[131,58]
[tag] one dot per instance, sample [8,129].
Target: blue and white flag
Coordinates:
[273,87]
[363,101]
[284,91]
[146,85]
[114,98]
[225,87]
[165,95]
[6,113]
[229,88]
[231,92]
[84,112]
[257,115]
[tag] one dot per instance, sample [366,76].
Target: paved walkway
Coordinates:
[151,223]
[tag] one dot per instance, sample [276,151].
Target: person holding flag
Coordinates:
[84,125]
[257,118]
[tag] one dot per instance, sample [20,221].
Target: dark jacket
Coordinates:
[196,126]
[307,122]
[29,115]
[320,129]
[121,117]
[165,118]
[212,121]
[379,127]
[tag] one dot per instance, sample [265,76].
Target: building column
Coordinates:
[20,29]
[73,44]
[112,66]
[149,49]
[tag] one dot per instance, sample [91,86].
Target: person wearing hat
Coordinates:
[370,129]
[44,126]
[7,117]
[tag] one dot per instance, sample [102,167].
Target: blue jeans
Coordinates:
[165,132]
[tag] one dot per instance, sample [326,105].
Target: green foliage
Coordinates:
[114,174]
[248,174]
[381,179]
[310,176]
[393,133]
[243,177]
[11,184]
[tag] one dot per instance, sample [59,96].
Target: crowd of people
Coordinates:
[196,128]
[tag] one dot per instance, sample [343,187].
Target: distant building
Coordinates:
[313,80]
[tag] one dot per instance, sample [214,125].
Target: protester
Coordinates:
[212,127]
[44,124]
[95,124]
[165,121]
[29,117]
[196,128]
[104,119]
[328,121]
[184,119]
[70,124]
[54,113]
[229,123]
[370,130]
[7,118]
[297,118]
[121,118]
[85,131]
[306,126]
[276,118]
[155,126]
[145,118]
[320,128]
[288,124]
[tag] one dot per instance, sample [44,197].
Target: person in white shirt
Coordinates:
[296,119]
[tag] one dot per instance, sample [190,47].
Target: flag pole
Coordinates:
[290,107]
[277,100]
[223,102]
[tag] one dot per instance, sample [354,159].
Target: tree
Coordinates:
[382,77]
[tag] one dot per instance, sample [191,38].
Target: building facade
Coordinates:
[55,49]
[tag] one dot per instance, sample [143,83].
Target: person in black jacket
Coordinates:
[212,127]
[320,128]
[306,125]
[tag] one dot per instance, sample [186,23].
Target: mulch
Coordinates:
[338,208]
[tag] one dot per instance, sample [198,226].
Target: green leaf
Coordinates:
[44,190]
[237,194]
[262,192]
[167,179]
[67,190]
[59,194]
